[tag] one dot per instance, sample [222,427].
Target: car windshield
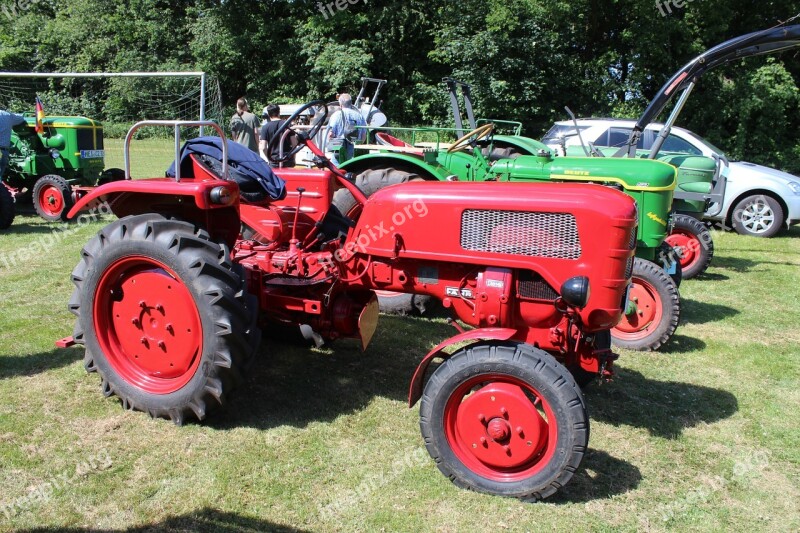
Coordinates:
[710,146]
[558,131]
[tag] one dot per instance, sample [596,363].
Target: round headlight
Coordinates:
[55,154]
[575,291]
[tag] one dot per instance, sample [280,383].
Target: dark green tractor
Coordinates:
[54,168]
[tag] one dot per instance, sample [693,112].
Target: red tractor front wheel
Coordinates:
[52,198]
[653,309]
[694,244]
[508,420]
[163,315]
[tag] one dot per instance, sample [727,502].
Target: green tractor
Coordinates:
[55,168]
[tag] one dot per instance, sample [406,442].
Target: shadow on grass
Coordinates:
[664,408]
[25,229]
[600,476]
[202,520]
[697,312]
[294,385]
[29,365]
[682,344]
[712,276]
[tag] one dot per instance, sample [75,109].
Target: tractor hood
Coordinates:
[631,174]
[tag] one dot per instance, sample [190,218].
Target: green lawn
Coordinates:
[701,436]
[150,158]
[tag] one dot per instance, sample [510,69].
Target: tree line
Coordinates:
[525,59]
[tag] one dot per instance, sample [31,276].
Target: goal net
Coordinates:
[119,100]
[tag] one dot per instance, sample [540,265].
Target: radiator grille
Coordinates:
[536,289]
[632,243]
[629,268]
[553,235]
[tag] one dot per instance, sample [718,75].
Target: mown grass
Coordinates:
[701,436]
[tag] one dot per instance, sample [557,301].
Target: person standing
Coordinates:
[273,115]
[343,129]
[245,126]
[7,122]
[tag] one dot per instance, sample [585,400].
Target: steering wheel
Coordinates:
[304,136]
[474,136]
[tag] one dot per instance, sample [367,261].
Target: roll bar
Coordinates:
[177,124]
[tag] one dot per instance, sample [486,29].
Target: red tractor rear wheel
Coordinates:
[6,207]
[163,315]
[371,181]
[52,198]
[693,240]
[505,419]
[653,309]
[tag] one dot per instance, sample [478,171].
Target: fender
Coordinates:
[498,334]
[427,171]
[188,200]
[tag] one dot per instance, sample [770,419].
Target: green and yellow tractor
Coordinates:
[55,168]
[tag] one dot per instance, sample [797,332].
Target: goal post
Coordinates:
[118,100]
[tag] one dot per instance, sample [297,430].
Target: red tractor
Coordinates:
[171,297]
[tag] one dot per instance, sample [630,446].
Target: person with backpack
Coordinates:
[343,129]
[245,126]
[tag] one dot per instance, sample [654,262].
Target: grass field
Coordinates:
[701,436]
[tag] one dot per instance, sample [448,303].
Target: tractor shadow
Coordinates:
[682,344]
[206,519]
[712,276]
[699,312]
[599,477]
[295,385]
[30,365]
[734,264]
[663,408]
[25,228]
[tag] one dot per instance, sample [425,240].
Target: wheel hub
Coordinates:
[501,426]
[52,200]
[643,312]
[148,325]
[686,246]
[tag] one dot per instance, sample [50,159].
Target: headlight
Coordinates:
[55,154]
[575,291]
[794,186]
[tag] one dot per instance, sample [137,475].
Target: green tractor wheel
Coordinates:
[693,240]
[52,198]
[6,207]
[653,312]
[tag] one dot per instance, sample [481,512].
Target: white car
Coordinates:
[758,200]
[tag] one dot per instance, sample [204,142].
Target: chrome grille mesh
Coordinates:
[632,243]
[553,235]
[629,268]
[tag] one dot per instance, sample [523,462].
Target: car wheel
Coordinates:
[758,215]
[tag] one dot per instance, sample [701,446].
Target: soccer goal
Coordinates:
[118,100]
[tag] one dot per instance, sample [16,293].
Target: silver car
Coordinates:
[758,200]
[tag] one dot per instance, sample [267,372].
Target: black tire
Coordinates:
[495,365]
[7,209]
[110,175]
[214,286]
[758,215]
[698,239]
[371,181]
[602,341]
[659,317]
[666,255]
[52,198]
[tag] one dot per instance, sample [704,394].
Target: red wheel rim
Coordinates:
[148,325]
[51,200]
[647,313]
[500,427]
[688,244]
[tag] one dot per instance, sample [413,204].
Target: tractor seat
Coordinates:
[385,139]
